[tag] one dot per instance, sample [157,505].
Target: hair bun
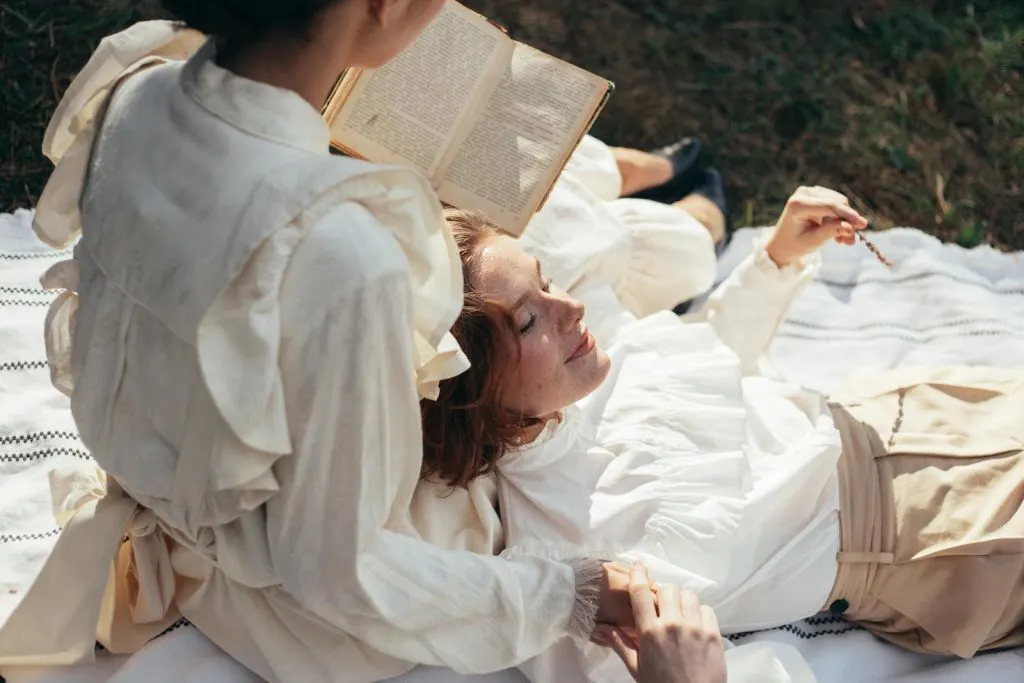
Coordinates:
[243,20]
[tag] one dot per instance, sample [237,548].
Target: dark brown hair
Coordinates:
[466,431]
[236,22]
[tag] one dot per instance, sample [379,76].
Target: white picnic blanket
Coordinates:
[940,304]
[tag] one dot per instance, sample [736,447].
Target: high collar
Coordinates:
[272,113]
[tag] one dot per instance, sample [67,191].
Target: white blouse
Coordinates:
[247,327]
[721,479]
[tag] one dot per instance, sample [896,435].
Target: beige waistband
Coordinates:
[861,543]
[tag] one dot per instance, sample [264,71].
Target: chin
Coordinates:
[601,365]
[604,364]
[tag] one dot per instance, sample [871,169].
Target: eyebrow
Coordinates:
[522,299]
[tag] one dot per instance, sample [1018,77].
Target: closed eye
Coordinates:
[544,287]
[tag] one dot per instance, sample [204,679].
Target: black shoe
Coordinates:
[685,157]
[710,187]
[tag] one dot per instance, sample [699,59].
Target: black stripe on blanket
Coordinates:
[10,439]
[840,626]
[32,255]
[23,302]
[13,366]
[180,623]
[37,291]
[43,454]
[39,536]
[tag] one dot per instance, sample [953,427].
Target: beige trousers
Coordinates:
[932,523]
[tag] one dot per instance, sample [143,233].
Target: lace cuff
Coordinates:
[589,577]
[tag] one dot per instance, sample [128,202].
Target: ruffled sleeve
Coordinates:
[577,240]
[671,256]
[593,164]
[654,256]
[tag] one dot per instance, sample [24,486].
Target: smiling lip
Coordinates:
[585,345]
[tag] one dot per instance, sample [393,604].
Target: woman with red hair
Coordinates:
[897,503]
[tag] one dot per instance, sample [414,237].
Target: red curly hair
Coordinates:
[466,431]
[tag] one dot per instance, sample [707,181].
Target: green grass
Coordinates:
[914,108]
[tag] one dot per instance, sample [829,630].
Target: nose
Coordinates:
[572,312]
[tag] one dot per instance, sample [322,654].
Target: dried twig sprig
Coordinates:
[873,249]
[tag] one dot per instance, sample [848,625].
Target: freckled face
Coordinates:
[560,362]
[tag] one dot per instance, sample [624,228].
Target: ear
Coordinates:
[382,11]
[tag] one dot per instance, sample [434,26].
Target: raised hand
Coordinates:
[812,217]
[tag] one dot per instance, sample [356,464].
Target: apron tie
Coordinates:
[93,585]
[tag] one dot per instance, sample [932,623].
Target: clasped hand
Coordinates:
[672,638]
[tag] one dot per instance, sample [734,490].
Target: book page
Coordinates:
[505,163]
[408,111]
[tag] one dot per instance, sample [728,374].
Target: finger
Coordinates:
[822,193]
[831,195]
[602,635]
[644,614]
[669,606]
[841,227]
[626,652]
[690,605]
[836,211]
[819,209]
[629,632]
[710,620]
[618,566]
[846,238]
[848,215]
[841,231]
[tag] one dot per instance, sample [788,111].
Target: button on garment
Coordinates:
[248,325]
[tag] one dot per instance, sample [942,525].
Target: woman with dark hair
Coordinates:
[247,326]
[897,503]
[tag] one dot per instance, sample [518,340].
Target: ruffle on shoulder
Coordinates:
[239,336]
[70,133]
[68,144]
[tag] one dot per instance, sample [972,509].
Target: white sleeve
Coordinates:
[747,308]
[654,256]
[350,394]
[671,257]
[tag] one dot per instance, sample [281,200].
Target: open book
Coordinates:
[491,122]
